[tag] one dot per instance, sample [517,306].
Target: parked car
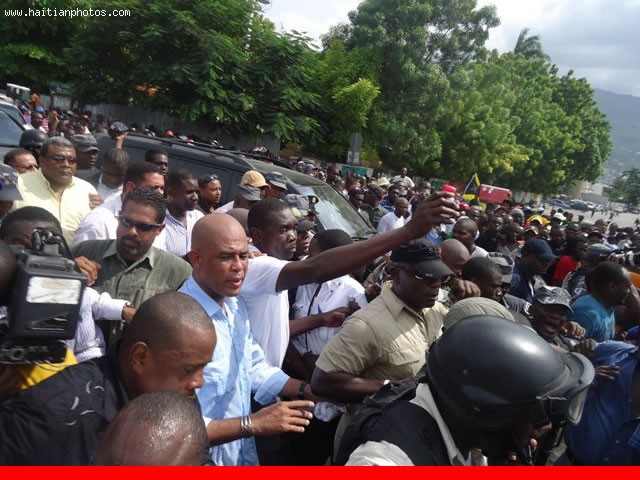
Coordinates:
[333,210]
[10,133]
[579,205]
[10,109]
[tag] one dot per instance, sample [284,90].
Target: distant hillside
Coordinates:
[623,112]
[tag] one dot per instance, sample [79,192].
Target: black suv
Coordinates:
[334,211]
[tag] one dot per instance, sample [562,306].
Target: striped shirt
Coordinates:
[89,342]
[178,238]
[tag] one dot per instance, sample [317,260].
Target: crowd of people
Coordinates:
[242,334]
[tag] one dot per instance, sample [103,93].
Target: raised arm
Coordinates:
[437,209]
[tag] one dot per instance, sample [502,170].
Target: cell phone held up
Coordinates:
[454,191]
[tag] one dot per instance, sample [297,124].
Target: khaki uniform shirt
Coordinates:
[387,340]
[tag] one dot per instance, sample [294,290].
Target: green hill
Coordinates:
[623,112]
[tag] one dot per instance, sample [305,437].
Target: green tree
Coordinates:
[589,127]
[477,126]
[31,51]
[211,61]
[626,188]
[529,46]
[413,45]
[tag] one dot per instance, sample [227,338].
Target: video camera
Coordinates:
[629,257]
[44,302]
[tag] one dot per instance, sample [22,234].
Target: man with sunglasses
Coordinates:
[130,267]
[102,222]
[55,188]
[210,193]
[461,404]
[387,339]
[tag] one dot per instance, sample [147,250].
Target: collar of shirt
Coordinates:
[150,257]
[47,184]
[107,187]
[190,216]
[210,306]
[424,399]
[394,304]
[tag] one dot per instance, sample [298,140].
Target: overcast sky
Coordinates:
[598,39]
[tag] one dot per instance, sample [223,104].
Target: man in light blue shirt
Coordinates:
[238,369]
[608,286]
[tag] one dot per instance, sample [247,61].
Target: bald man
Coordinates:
[59,422]
[465,231]
[396,219]
[454,255]
[220,256]
[155,429]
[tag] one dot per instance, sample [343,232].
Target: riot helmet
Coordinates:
[32,140]
[492,373]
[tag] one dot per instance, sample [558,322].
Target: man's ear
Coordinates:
[139,356]
[256,236]
[194,259]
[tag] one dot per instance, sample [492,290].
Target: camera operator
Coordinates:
[14,378]
[88,343]
[60,422]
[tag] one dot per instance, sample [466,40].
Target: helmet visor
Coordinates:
[567,400]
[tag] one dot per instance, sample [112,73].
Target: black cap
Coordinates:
[539,248]
[424,258]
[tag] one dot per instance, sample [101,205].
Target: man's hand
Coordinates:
[336,317]
[607,372]
[439,208]
[88,268]
[120,140]
[461,289]
[371,291]
[95,200]
[586,347]
[282,417]
[573,330]
[127,313]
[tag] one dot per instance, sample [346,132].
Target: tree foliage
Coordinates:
[626,188]
[412,46]
[412,76]
[31,51]
[214,61]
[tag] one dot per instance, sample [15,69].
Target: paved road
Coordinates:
[623,219]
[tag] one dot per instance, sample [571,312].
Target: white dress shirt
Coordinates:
[391,222]
[178,237]
[102,222]
[107,193]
